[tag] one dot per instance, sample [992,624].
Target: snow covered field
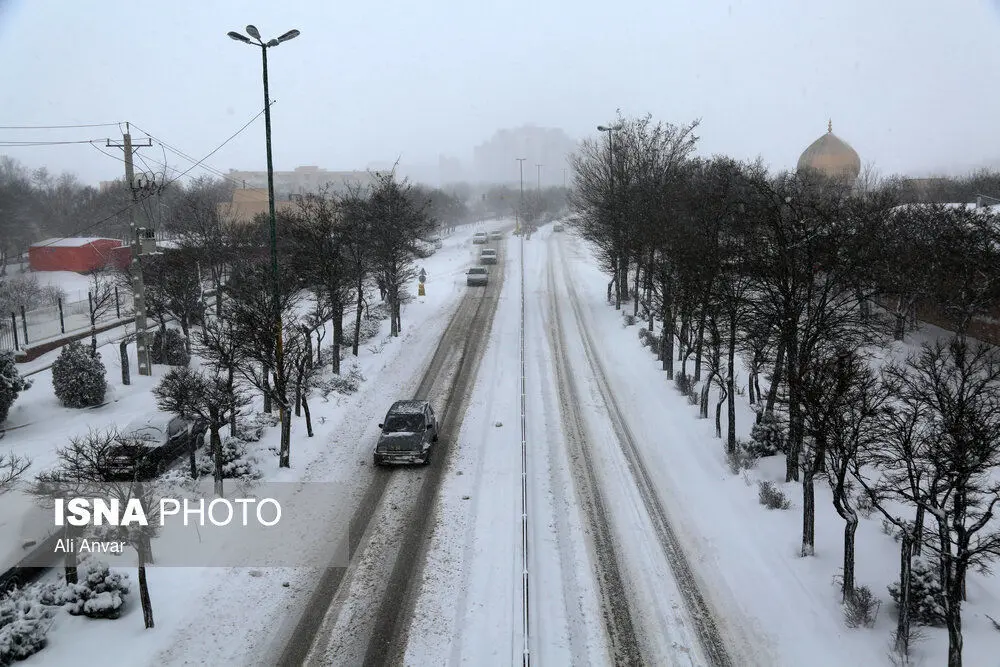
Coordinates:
[224,615]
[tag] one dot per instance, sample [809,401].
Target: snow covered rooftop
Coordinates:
[71,242]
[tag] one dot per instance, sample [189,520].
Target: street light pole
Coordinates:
[611,129]
[276,291]
[520,206]
[538,185]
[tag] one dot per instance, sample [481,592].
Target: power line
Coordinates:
[12,144]
[127,208]
[56,127]
[182,154]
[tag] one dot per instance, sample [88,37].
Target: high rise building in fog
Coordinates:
[494,160]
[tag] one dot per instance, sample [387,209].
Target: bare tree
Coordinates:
[12,468]
[195,395]
[101,300]
[398,223]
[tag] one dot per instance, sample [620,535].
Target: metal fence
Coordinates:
[22,329]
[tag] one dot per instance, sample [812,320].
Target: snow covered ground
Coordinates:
[224,615]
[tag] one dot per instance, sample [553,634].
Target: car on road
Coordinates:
[480,237]
[409,432]
[488,256]
[146,447]
[437,242]
[558,227]
[477,275]
[496,235]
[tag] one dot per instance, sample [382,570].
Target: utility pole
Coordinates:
[138,237]
[520,164]
[539,184]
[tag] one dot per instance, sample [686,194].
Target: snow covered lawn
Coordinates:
[748,556]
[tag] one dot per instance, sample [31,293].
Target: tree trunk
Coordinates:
[193,455]
[699,344]
[338,333]
[809,497]
[357,318]
[635,289]
[216,441]
[841,504]
[902,639]
[667,335]
[794,411]
[808,514]
[772,391]
[231,392]
[123,353]
[267,391]
[298,394]
[731,387]
[900,314]
[147,604]
[718,414]
[186,330]
[305,408]
[71,533]
[953,614]
[918,531]
[703,403]
[284,457]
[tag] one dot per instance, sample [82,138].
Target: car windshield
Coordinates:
[404,423]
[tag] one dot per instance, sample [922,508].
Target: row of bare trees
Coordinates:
[808,278]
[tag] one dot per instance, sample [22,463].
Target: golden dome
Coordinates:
[831,156]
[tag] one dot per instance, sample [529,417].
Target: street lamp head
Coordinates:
[273,42]
[238,37]
[253,32]
[601,128]
[291,34]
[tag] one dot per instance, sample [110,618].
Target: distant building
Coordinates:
[832,157]
[250,202]
[494,161]
[81,255]
[298,181]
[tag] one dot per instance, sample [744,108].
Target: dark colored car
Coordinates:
[147,447]
[408,433]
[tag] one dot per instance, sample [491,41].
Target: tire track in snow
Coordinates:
[697,608]
[613,595]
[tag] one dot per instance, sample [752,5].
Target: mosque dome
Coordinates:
[831,156]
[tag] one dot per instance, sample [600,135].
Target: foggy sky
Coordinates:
[908,83]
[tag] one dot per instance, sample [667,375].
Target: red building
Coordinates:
[81,255]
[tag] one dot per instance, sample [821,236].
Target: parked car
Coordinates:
[148,446]
[477,275]
[479,237]
[558,227]
[496,235]
[409,432]
[488,256]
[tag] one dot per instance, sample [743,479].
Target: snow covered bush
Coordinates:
[78,377]
[926,594]
[406,296]
[650,340]
[251,428]
[24,624]
[861,609]
[342,384]
[100,593]
[169,348]
[629,319]
[767,437]
[741,458]
[11,383]
[771,496]
[237,463]
[369,329]
[379,312]
[684,383]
